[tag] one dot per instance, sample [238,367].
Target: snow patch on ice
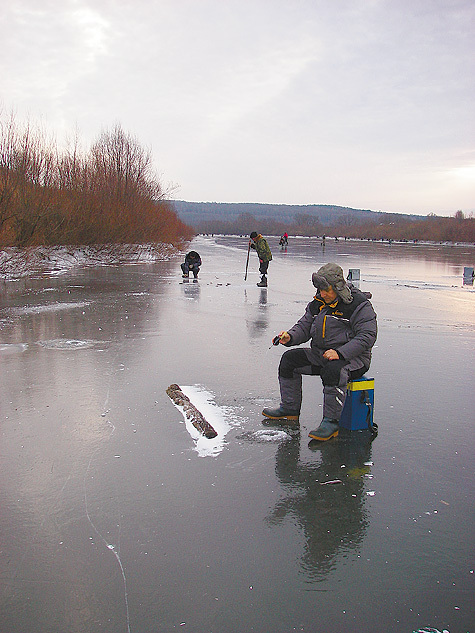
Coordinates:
[220,418]
[429,629]
[269,435]
[69,344]
[13,347]
[52,307]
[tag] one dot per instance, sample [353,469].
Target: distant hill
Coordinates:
[198,214]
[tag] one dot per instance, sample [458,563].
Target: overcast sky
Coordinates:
[361,103]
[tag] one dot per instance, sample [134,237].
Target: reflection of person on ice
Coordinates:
[341,324]
[192,262]
[260,245]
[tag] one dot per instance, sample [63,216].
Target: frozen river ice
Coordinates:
[117,517]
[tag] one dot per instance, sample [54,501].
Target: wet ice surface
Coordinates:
[115,517]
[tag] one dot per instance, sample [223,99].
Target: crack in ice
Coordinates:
[110,546]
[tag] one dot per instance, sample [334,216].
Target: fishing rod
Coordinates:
[247,261]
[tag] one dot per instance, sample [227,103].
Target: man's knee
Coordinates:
[293,360]
[331,373]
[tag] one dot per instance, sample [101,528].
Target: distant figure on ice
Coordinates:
[260,245]
[192,262]
[284,240]
[341,324]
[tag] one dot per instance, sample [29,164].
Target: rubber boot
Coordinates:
[281,414]
[263,282]
[328,428]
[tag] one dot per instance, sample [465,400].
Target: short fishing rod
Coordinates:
[247,261]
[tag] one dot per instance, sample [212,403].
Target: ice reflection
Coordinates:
[191,289]
[258,320]
[325,497]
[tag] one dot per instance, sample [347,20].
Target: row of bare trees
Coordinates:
[432,228]
[108,195]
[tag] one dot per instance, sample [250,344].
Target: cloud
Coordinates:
[365,103]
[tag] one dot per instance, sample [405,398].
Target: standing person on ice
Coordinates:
[341,324]
[284,240]
[260,245]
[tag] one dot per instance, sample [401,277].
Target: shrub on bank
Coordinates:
[108,195]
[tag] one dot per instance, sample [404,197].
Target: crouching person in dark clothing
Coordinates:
[341,325]
[192,262]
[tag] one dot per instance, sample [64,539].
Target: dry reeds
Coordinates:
[108,195]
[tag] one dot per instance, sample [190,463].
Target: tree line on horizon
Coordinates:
[431,228]
[111,195]
[108,195]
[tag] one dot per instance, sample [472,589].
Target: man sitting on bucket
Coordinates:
[341,324]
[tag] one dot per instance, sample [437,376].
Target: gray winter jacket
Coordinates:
[350,329]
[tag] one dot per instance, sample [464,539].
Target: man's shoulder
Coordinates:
[315,305]
[359,296]
[357,303]
[361,301]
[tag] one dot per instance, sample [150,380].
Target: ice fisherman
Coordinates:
[260,245]
[284,240]
[341,324]
[192,262]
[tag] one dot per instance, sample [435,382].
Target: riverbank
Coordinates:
[20,262]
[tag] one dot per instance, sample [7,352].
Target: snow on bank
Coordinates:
[56,260]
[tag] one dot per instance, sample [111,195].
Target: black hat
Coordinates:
[253,235]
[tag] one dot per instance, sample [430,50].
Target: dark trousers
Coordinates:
[187,267]
[334,374]
[263,266]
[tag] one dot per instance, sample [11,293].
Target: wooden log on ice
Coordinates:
[191,412]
